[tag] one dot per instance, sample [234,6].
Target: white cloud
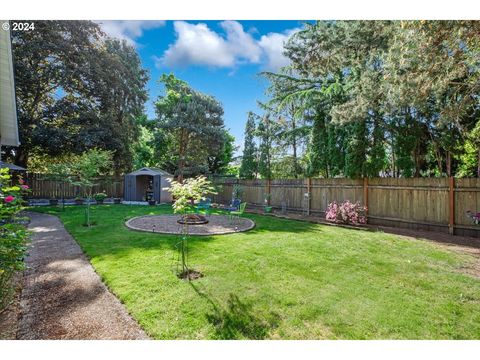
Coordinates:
[272,47]
[242,44]
[128,30]
[197,44]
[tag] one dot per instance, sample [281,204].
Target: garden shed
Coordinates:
[148,184]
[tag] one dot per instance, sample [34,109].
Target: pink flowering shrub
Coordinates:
[9,198]
[346,213]
[13,234]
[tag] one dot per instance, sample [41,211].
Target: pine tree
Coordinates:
[376,155]
[317,154]
[266,132]
[356,150]
[248,168]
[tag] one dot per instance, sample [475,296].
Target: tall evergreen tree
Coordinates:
[249,165]
[317,150]
[356,150]
[267,132]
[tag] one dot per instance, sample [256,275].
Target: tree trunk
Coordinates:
[21,157]
[181,160]
[449,164]
[417,166]
[294,146]
[439,159]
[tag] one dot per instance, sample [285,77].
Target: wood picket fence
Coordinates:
[41,188]
[438,204]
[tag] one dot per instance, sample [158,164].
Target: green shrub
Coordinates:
[13,234]
[100,196]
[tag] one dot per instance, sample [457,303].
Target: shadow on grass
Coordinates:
[237,319]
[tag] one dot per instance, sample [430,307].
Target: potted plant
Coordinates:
[99,197]
[53,202]
[267,207]
[79,200]
[117,200]
[152,202]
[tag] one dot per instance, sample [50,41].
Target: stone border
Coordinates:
[251,225]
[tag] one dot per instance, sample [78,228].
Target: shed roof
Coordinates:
[150,171]
[11,166]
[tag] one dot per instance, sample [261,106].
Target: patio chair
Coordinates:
[235,204]
[235,214]
[204,205]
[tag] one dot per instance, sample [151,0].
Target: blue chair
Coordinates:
[204,205]
[235,204]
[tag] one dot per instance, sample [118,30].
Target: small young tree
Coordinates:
[88,168]
[193,189]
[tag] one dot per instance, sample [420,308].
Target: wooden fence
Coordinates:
[47,189]
[438,204]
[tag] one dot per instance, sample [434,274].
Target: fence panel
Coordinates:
[254,191]
[467,197]
[325,191]
[41,188]
[288,193]
[420,200]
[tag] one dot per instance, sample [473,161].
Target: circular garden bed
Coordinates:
[168,224]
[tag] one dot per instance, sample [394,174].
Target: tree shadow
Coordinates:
[237,319]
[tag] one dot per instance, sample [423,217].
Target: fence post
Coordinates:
[309,192]
[268,191]
[365,195]
[451,205]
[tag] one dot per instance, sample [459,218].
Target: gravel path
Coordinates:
[167,224]
[63,297]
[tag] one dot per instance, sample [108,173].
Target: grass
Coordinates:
[284,279]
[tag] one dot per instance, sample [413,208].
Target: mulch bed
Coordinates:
[167,224]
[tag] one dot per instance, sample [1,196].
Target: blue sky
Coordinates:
[220,58]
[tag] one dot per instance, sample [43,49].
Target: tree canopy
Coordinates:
[191,124]
[379,98]
[76,89]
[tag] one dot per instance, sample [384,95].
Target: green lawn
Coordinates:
[283,279]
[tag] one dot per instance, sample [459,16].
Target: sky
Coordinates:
[219,58]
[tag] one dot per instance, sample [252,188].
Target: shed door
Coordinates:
[157,189]
[130,188]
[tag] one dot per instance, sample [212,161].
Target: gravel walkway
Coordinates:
[63,297]
[167,224]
